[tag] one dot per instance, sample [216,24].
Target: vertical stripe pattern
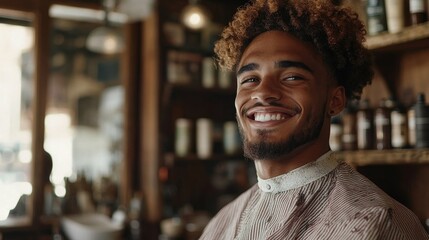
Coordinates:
[343,204]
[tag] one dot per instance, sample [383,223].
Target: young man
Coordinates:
[297,62]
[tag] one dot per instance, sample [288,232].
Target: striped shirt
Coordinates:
[325,199]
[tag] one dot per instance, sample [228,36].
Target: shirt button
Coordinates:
[268,186]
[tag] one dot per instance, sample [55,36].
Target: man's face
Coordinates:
[282,95]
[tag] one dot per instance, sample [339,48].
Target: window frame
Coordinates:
[140,73]
[37,12]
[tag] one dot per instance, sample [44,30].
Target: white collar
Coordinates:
[300,176]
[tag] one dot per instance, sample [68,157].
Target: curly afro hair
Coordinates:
[335,31]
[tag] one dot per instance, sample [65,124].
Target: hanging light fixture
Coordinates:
[105,39]
[194,15]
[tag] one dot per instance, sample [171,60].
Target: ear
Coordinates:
[338,101]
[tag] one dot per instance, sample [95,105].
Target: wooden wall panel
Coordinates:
[150,119]
[414,76]
[376,91]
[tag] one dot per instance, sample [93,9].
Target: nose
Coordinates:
[267,91]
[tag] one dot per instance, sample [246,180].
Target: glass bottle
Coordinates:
[376,17]
[399,127]
[411,119]
[182,143]
[365,126]
[383,127]
[422,122]
[204,137]
[349,139]
[418,11]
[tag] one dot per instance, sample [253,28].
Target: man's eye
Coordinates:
[292,78]
[249,80]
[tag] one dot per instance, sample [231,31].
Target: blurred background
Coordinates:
[114,114]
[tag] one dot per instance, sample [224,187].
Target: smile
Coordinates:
[270,114]
[265,117]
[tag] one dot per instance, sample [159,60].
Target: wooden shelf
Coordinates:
[412,37]
[386,157]
[355,158]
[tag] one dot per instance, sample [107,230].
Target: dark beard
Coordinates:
[263,149]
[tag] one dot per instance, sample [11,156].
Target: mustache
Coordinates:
[272,104]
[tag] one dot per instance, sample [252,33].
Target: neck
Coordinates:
[269,168]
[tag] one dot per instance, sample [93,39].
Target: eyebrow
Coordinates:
[287,64]
[279,64]
[247,67]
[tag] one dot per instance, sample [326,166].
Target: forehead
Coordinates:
[276,46]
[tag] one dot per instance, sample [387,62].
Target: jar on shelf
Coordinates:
[183,137]
[204,138]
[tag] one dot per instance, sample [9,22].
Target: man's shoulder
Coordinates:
[238,203]
[355,200]
[355,192]
[224,222]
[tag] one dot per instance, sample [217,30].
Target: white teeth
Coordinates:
[265,117]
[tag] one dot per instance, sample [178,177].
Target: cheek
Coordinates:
[310,109]
[316,110]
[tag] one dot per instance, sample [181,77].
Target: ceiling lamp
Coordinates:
[195,16]
[105,39]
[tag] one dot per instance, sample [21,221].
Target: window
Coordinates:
[16,94]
